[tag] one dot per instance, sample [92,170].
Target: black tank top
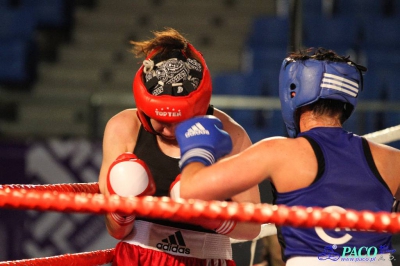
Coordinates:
[164,170]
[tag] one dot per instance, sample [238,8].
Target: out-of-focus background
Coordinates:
[66,68]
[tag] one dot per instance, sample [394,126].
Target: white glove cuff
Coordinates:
[122,220]
[226,227]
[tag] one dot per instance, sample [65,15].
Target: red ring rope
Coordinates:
[85,198]
[165,208]
[68,187]
[99,257]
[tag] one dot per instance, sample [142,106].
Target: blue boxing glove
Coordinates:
[201,139]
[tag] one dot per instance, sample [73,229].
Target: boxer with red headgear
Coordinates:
[172,85]
[172,90]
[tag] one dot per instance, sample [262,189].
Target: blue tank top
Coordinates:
[349,179]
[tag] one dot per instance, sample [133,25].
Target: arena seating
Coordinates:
[50,13]
[268,31]
[97,59]
[339,33]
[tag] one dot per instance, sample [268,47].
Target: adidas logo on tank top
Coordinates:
[174,243]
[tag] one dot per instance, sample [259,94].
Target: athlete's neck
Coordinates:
[169,147]
[309,120]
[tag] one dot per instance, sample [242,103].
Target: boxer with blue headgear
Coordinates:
[320,165]
[305,80]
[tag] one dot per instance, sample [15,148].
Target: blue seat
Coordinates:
[267,43]
[363,122]
[260,124]
[367,121]
[339,33]
[312,7]
[376,88]
[373,85]
[382,34]
[17,46]
[269,79]
[393,83]
[384,85]
[17,65]
[236,83]
[266,57]
[365,9]
[229,83]
[17,23]
[351,8]
[51,13]
[383,66]
[253,84]
[4,4]
[269,31]
[274,124]
[393,9]
[382,58]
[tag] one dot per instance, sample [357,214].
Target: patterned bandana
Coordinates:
[173,76]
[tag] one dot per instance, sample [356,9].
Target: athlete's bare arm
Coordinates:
[119,136]
[387,161]
[241,141]
[267,159]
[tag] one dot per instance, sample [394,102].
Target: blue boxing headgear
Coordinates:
[304,82]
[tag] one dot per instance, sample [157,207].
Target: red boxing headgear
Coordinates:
[169,108]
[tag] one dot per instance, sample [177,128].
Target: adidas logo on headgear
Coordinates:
[196,129]
[174,243]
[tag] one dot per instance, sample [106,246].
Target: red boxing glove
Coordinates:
[220,227]
[129,176]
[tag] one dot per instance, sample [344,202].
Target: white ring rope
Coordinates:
[384,136]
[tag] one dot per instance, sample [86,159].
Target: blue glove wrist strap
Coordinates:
[197,155]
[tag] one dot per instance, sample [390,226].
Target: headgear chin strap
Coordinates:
[306,81]
[172,107]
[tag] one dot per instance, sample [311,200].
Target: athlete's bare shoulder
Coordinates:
[284,159]
[385,153]
[284,144]
[238,134]
[124,125]
[228,122]
[387,161]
